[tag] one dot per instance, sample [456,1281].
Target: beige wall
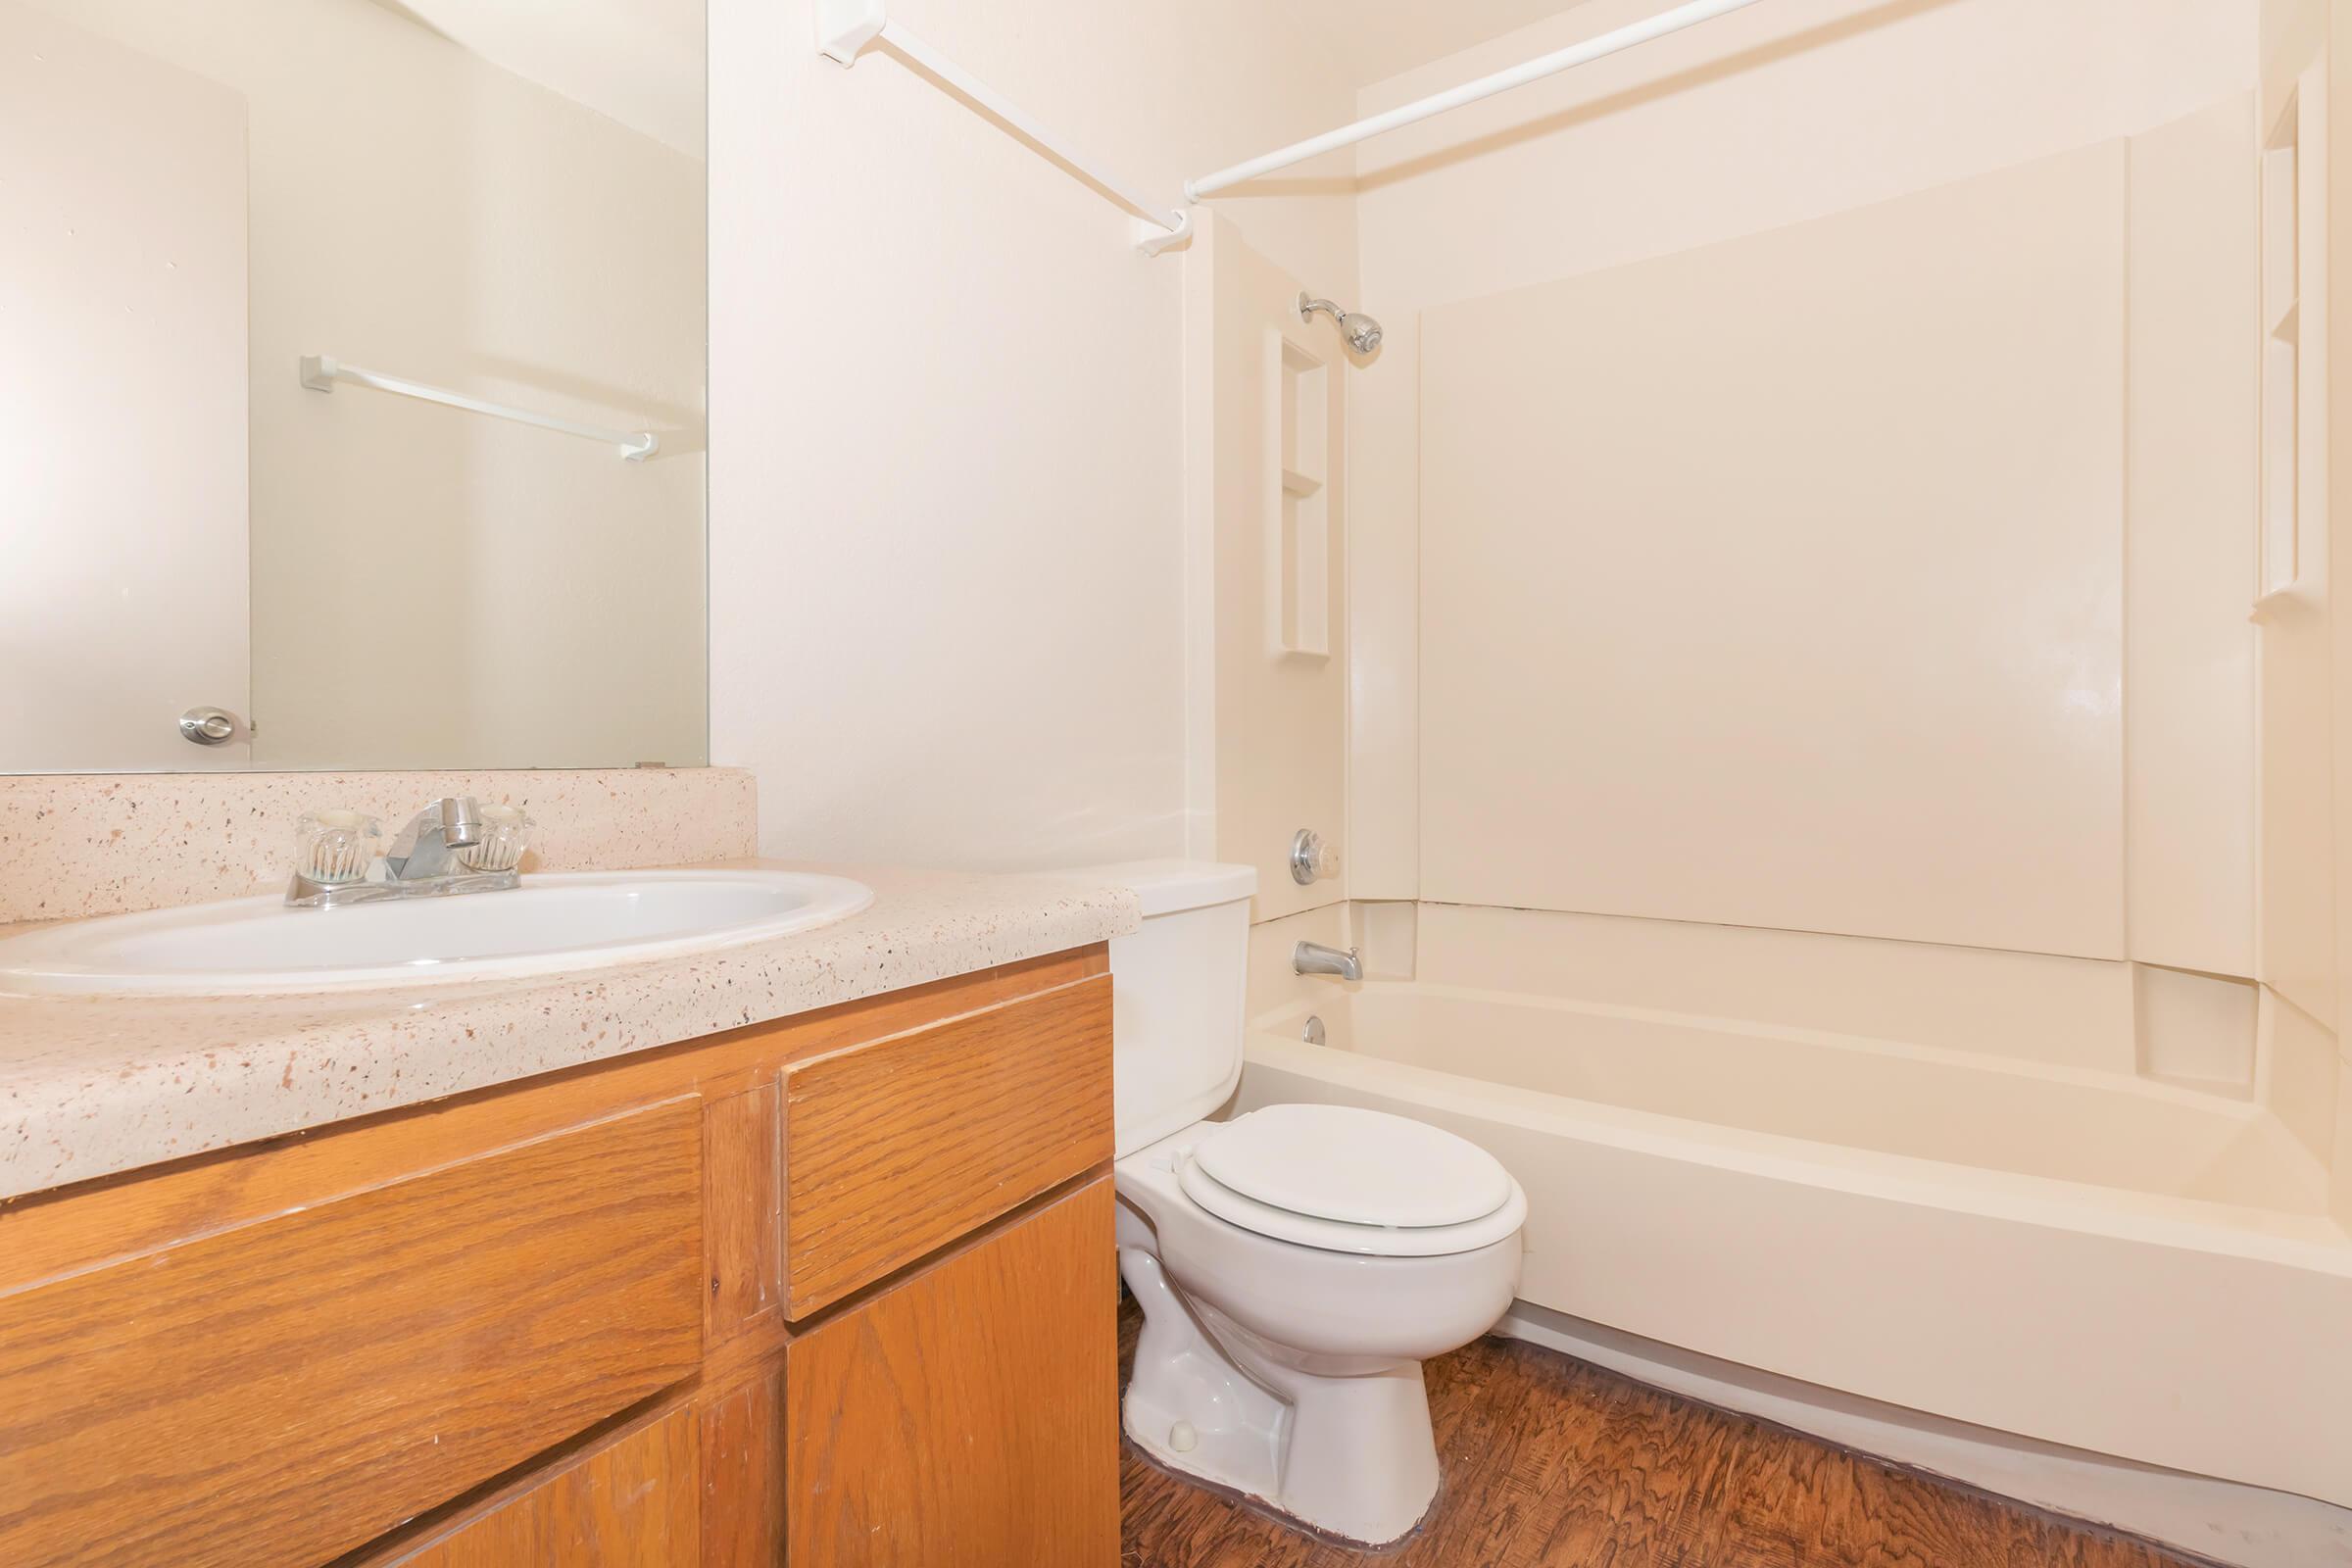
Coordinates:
[949,560]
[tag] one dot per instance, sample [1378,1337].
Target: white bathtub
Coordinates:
[2077,1256]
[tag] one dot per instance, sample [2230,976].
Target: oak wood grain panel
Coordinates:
[896,1148]
[743,1474]
[967,1416]
[70,1229]
[506,1538]
[634,1502]
[742,1210]
[284,1391]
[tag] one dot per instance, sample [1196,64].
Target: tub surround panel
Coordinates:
[2188,648]
[1274,983]
[2298,1074]
[90,1087]
[2068,1012]
[1267,393]
[2340,1187]
[1858,672]
[73,845]
[1751,124]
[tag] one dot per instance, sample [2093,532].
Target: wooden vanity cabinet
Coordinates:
[838,1290]
[956,1420]
[633,1500]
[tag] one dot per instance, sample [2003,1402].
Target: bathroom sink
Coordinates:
[552,924]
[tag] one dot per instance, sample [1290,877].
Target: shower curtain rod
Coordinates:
[1469,92]
[844,27]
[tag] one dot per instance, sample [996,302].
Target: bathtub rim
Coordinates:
[2316,1242]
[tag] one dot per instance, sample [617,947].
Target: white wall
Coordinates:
[947,560]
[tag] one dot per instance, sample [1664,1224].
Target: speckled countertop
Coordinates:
[89,1086]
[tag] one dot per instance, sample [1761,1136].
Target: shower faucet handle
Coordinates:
[1312,858]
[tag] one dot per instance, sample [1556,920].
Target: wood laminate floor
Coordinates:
[1555,1462]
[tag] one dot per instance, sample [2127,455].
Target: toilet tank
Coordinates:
[1177,993]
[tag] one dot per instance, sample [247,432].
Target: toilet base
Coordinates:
[1346,1448]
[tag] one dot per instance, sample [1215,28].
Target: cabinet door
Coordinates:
[896,1148]
[968,1416]
[632,1503]
[284,1389]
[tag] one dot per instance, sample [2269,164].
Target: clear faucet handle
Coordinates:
[1313,858]
[335,846]
[502,834]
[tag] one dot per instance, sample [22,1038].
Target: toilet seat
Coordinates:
[1342,1179]
[1364,1167]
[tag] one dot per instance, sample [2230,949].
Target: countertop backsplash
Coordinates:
[75,845]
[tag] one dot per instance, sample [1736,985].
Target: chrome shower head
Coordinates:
[1361,331]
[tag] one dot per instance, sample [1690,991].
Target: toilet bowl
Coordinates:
[1297,1265]
[1281,1350]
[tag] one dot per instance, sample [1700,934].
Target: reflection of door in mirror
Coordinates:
[122,603]
[475,542]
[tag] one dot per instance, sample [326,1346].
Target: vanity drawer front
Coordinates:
[894,1149]
[284,1391]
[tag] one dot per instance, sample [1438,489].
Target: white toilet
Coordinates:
[1296,1265]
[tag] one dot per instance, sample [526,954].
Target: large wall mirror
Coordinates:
[351,384]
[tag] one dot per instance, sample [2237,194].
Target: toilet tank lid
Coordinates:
[1169,887]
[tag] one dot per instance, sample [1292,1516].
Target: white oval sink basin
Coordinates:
[552,924]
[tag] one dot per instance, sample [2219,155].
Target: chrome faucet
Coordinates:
[1313,958]
[424,860]
[427,847]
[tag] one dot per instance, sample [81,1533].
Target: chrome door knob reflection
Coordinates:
[209,726]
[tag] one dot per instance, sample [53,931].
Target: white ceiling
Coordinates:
[1376,39]
[638,62]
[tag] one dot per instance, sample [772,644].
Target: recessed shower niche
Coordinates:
[1301,574]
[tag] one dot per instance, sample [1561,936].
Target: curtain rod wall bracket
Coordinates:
[846,29]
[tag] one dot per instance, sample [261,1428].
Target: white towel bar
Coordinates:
[320,372]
